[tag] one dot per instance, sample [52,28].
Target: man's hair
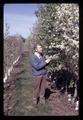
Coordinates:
[35,45]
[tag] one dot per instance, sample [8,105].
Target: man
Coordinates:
[39,72]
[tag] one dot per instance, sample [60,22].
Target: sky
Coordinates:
[20,18]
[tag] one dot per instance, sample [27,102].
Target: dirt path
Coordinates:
[56,104]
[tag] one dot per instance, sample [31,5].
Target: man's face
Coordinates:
[39,49]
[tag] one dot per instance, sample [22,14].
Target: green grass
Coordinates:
[24,89]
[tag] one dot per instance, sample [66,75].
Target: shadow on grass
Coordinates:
[48,92]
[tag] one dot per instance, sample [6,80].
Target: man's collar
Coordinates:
[37,54]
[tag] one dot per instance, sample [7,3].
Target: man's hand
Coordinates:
[48,60]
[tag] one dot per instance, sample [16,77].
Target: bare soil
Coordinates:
[61,106]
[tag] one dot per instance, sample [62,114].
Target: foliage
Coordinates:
[13,47]
[58,30]
[7,30]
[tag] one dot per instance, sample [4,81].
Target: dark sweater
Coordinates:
[38,65]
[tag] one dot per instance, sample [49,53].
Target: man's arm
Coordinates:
[36,65]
